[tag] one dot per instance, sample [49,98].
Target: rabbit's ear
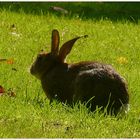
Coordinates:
[66,48]
[55,42]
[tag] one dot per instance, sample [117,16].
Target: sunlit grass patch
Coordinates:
[29,114]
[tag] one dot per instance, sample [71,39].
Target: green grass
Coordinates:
[29,113]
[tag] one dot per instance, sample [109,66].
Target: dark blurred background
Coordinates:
[85,10]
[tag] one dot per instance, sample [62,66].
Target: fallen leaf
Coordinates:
[9,92]
[122,60]
[2,91]
[10,61]
[59,9]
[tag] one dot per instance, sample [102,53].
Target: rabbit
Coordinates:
[87,81]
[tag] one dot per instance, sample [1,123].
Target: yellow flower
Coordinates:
[122,60]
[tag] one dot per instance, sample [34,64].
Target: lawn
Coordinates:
[114,38]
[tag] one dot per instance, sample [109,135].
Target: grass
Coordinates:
[111,40]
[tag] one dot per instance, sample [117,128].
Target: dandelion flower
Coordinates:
[122,60]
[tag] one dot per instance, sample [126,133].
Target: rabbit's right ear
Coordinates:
[66,48]
[55,42]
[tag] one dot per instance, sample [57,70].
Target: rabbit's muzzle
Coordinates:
[34,72]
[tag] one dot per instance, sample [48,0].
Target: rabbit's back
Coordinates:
[101,84]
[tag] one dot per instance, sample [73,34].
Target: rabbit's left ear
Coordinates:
[55,42]
[66,48]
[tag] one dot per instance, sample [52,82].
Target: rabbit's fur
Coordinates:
[93,82]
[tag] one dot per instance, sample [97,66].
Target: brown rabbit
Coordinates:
[87,81]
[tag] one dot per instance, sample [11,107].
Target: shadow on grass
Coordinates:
[114,11]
